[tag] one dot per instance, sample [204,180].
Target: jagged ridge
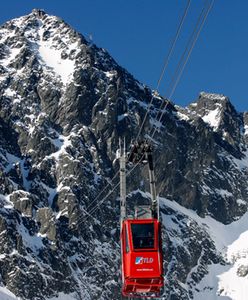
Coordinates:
[60,122]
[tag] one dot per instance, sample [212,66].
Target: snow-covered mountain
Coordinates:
[64,104]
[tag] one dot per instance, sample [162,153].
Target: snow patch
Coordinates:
[52,58]
[223,193]
[33,242]
[213,118]
[233,282]
[61,142]
[110,74]
[62,296]
[212,96]
[182,116]
[241,202]
[222,281]
[123,116]
[12,55]
[241,163]
[5,294]
[246,129]
[9,93]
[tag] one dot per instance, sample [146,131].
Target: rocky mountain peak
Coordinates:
[217,111]
[40,40]
[212,108]
[64,104]
[43,58]
[40,13]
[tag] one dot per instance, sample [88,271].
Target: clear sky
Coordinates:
[138,34]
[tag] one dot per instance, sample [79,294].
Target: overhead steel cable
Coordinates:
[184,58]
[105,188]
[83,219]
[176,79]
[167,59]
[192,47]
[183,61]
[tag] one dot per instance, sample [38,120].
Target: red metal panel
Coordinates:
[142,268]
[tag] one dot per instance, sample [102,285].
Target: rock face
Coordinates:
[64,104]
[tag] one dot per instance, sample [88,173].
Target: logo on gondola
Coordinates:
[143,260]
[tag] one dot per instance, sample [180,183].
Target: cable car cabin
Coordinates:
[142,265]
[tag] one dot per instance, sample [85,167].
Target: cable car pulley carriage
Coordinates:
[141,250]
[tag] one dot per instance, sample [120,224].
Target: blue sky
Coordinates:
[138,34]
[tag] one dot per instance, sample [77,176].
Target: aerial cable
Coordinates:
[170,52]
[180,63]
[192,47]
[87,213]
[84,218]
[184,58]
[167,59]
[202,22]
[94,208]
[105,188]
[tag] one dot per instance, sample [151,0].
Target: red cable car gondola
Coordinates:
[141,247]
[142,265]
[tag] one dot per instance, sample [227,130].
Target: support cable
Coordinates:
[170,52]
[176,79]
[105,188]
[83,219]
[167,59]
[184,58]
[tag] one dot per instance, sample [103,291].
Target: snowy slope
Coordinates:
[5,294]
[225,280]
[64,105]
[54,50]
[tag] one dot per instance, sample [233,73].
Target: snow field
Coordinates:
[222,281]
